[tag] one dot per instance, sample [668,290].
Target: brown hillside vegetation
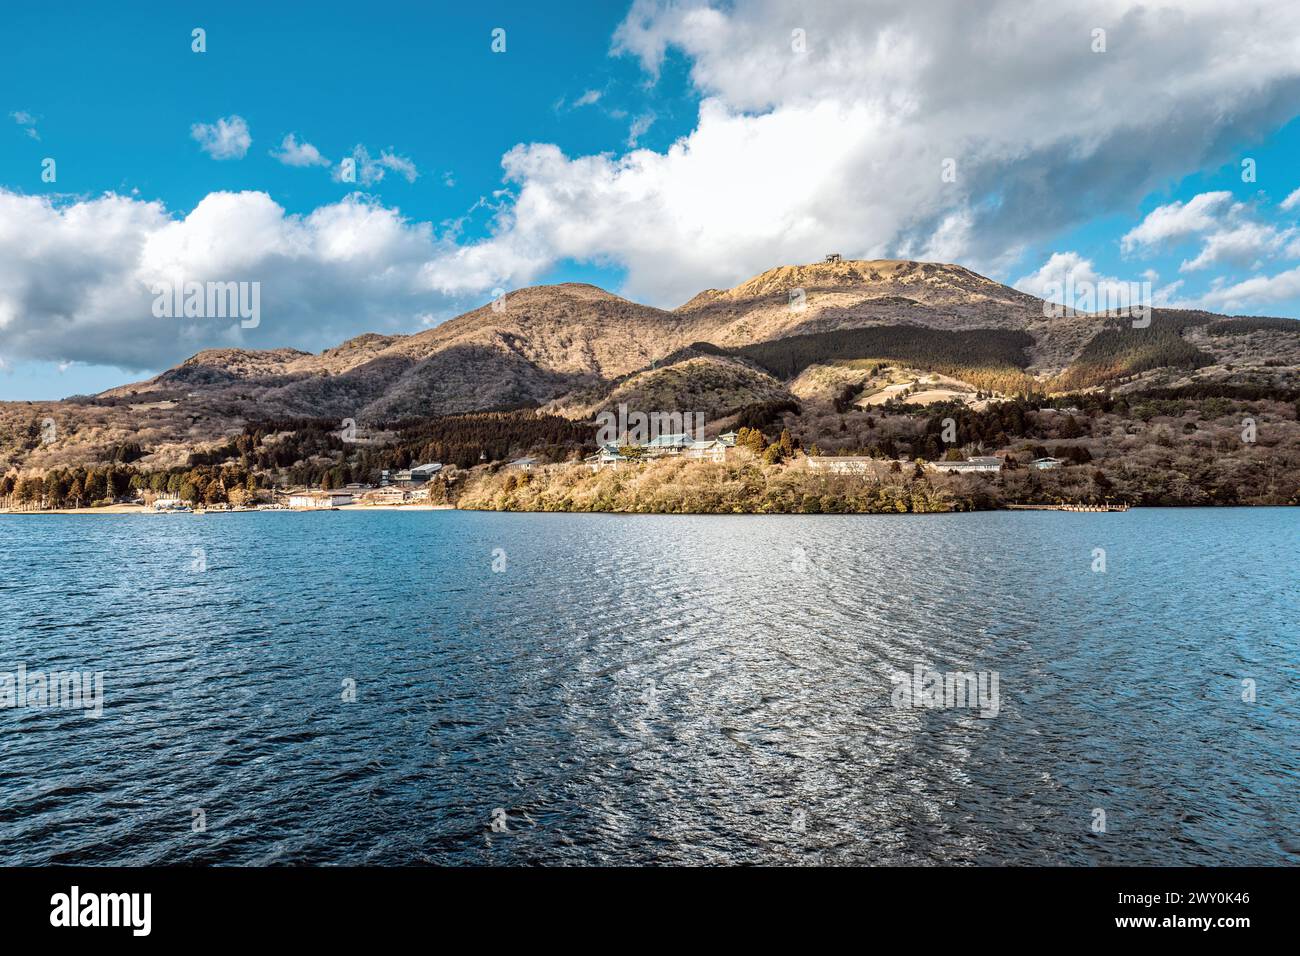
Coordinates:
[733,354]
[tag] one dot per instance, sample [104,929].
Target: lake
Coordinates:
[479,688]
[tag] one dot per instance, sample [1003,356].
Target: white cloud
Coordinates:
[587,98]
[1226,233]
[294,153]
[1254,292]
[1291,201]
[1177,220]
[398,164]
[1244,244]
[792,155]
[75,278]
[227,138]
[1070,279]
[27,121]
[640,126]
[841,148]
[370,170]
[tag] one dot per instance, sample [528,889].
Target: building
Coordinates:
[985,463]
[523,464]
[388,496]
[715,450]
[1042,464]
[412,476]
[608,457]
[677,445]
[663,445]
[320,499]
[687,446]
[167,504]
[841,464]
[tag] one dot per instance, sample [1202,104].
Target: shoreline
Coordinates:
[141,510]
[145,510]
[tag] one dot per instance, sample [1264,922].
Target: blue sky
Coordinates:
[654,149]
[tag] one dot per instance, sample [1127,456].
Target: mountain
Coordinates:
[529,347]
[832,296]
[576,349]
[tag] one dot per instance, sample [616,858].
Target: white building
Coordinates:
[984,463]
[841,464]
[389,496]
[678,445]
[320,499]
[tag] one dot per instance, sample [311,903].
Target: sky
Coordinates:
[384,169]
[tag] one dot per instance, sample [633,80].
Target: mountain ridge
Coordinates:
[574,346]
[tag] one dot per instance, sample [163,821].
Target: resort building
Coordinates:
[715,450]
[411,476]
[523,464]
[1044,463]
[985,463]
[679,445]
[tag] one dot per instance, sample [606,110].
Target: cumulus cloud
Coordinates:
[1069,279]
[834,139]
[1253,292]
[227,138]
[1226,233]
[1177,220]
[1245,245]
[77,279]
[294,153]
[842,146]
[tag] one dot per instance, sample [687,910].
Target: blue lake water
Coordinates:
[653,689]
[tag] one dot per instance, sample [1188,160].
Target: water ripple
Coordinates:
[365,688]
